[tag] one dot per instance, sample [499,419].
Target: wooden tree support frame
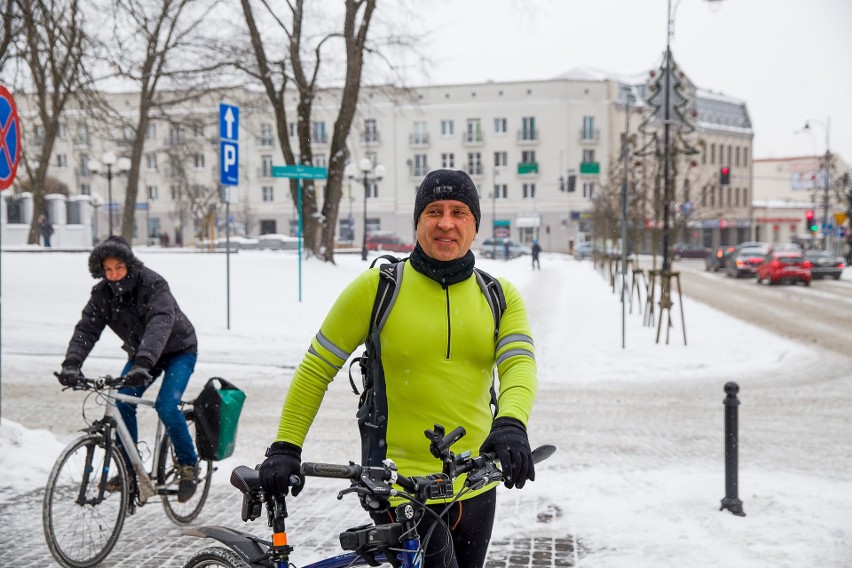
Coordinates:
[650,296]
[636,285]
[666,304]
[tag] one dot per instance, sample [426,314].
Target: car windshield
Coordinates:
[791,259]
[752,252]
[820,254]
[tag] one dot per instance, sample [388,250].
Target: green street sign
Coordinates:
[299,172]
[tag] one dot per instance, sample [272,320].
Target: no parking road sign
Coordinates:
[10,138]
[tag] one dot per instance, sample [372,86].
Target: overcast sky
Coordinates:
[789,60]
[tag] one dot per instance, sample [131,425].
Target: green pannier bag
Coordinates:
[217,414]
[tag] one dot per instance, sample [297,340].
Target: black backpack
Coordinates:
[372,404]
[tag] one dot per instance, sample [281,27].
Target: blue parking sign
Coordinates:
[229,150]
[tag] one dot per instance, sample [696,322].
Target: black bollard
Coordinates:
[731,502]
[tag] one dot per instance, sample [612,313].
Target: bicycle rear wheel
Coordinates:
[82,520]
[215,556]
[168,481]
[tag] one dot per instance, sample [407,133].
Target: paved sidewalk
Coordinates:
[150,540]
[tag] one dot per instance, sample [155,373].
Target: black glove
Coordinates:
[508,439]
[137,377]
[69,376]
[282,460]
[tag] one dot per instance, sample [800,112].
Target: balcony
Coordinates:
[590,168]
[590,136]
[420,140]
[371,138]
[473,138]
[528,135]
[525,168]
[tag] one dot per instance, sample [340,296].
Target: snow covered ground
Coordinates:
[639,473]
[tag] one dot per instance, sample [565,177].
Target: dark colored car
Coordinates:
[388,242]
[824,263]
[686,250]
[744,262]
[784,266]
[717,258]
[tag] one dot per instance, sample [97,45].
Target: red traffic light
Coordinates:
[809,214]
[724,175]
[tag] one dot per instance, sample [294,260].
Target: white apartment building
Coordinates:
[539,152]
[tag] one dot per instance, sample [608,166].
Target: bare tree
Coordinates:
[162,53]
[300,64]
[54,49]
[11,30]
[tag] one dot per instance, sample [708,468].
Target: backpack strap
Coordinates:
[493,292]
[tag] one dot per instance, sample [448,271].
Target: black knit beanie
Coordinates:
[447,184]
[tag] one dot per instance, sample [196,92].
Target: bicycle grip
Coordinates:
[310,469]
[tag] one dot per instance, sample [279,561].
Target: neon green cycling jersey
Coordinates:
[438,353]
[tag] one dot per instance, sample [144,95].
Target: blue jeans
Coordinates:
[176,372]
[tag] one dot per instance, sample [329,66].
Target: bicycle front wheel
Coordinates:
[215,556]
[82,518]
[168,482]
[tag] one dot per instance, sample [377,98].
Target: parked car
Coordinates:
[824,263]
[583,250]
[784,266]
[687,250]
[496,248]
[390,243]
[717,259]
[744,262]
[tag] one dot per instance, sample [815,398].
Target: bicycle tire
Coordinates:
[80,536]
[167,482]
[215,556]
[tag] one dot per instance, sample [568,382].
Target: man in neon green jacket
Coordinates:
[438,353]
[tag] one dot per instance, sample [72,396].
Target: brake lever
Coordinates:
[354,489]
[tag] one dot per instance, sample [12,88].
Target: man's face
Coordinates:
[114,269]
[446,229]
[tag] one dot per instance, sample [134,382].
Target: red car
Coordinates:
[781,265]
[388,242]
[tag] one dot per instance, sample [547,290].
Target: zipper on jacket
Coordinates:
[449,330]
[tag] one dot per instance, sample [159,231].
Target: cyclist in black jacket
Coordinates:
[136,303]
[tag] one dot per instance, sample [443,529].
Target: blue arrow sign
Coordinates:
[229,122]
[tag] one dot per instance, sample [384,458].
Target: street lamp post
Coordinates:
[827,177]
[109,160]
[370,174]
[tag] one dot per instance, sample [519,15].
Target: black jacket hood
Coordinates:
[114,247]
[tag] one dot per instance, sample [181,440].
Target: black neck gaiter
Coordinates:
[443,272]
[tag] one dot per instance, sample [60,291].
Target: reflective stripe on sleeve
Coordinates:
[313,352]
[335,350]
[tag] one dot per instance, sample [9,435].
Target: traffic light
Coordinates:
[810,221]
[725,176]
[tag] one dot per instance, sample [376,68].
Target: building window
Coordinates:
[198,130]
[712,154]
[373,190]
[268,193]
[501,159]
[81,135]
[199,161]
[153,193]
[421,167]
[60,131]
[61,161]
[85,189]
[319,161]
[151,161]
[528,131]
[474,163]
[420,136]
[500,125]
[292,129]
[745,196]
[730,190]
[737,197]
[588,132]
[529,191]
[501,191]
[371,130]
[448,160]
[266,166]
[528,156]
[447,127]
[589,189]
[588,156]
[737,156]
[175,134]
[319,135]
[265,134]
[745,157]
[151,131]
[474,130]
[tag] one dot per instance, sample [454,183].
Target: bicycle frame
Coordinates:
[147,487]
